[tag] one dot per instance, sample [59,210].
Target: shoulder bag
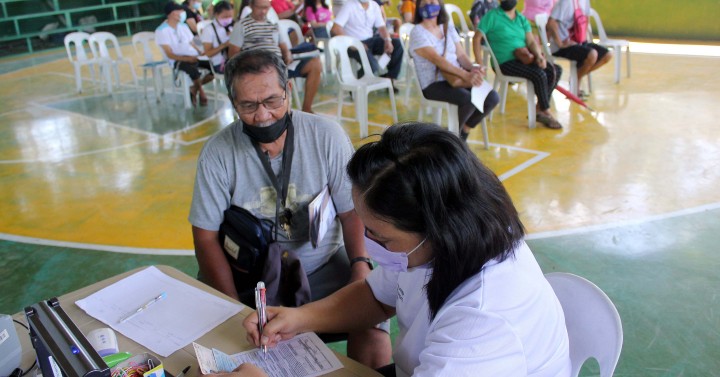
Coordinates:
[578,31]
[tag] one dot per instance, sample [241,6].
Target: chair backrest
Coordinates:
[541,20]
[78,39]
[202,25]
[453,9]
[592,321]
[100,40]
[285,27]
[404,32]
[598,23]
[146,39]
[493,59]
[339,46]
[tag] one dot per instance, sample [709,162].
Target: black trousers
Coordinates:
[467,112]
[376,46]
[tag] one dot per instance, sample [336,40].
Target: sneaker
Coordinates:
[548,121]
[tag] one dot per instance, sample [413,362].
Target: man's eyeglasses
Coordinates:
[270,103]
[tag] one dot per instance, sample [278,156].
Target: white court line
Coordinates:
[618,224]
[90,246]
[73,155]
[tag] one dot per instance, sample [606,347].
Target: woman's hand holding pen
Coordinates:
[281,325]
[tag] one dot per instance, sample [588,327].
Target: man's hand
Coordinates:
[567,43]
[388,46]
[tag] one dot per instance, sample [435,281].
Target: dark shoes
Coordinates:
[548,121]
[464,135]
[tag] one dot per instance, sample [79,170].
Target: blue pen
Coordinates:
[147,305]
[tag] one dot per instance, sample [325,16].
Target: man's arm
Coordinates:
[354,236]
[554,34]
[214,267]
[285,52]
[535,49]
[181,58]
[386,37]
[337,30]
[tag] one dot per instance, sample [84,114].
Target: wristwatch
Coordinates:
[361,259]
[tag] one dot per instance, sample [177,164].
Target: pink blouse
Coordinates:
[322,15]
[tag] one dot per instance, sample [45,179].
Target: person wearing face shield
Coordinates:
[453,267]
[176,40]
[216,37]
[273,162]
[508,32]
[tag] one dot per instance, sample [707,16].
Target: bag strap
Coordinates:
[444,54]
[281,187]
[217,37]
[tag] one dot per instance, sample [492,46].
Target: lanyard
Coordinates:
[281,187]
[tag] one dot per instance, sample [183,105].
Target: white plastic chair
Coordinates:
[593,323]
[80,58]
[408,66]
[541,21]
[616,44]
[100,40]
[503,81]
[358,87]
[285,27]
[146,40]
[465,33]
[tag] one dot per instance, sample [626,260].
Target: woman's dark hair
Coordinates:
[221,6]
[313,4]
[442,18]
[425,180]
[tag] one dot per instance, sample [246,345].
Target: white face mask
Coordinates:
[363,1]
[389,260]
[183,17]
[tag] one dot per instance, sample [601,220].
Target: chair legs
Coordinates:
[531,104]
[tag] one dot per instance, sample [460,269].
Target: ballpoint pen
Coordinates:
[262,316]
[147,305]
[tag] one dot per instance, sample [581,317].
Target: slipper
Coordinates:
[193,98]
[548,121]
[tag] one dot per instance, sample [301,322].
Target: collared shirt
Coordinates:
[504,34]
[178,38]
[357,21]
[211,35]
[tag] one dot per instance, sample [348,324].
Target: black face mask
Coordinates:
[268,134]
[507,5]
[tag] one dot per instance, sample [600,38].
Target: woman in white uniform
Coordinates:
[469,296]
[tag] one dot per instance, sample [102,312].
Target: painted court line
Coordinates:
[74,155]
[90,246]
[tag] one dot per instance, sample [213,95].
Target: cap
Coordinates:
[171,7]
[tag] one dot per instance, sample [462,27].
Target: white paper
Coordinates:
[293,65]
[166,326]
[479,93]
[383,61]
[321,213]
[305,355]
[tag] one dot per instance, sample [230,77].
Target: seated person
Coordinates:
[176,41]
[508,30]
[256,32]
[479,8]
[287,10]
[587,55]
[245,11]
[232,171]
[193,9]
[318,14]
[357,19]
[453,267]
[406,8]
[433,52]
[216,37]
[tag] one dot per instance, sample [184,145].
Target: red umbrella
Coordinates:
[572,97]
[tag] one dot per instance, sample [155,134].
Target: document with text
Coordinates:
[302,356]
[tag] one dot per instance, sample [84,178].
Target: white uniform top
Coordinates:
[358,22]
[504,321]
[179,39]
[209,36]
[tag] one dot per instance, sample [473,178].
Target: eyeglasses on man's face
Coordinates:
[270,103]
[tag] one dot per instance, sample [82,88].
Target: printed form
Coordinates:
[305,355]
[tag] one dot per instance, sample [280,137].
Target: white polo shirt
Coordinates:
[209,36]
[179,39]
[358,22]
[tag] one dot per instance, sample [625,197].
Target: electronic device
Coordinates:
[103,341]
[10,350]
[62,350]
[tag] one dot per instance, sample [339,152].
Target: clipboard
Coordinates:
[321,212]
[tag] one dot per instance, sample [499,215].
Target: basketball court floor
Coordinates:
[627,194]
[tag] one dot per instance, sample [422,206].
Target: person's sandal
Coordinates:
[548,121]
[193,98]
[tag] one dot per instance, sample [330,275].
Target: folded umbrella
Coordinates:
[572,97]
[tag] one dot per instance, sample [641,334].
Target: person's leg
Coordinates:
[491,101]
[205,64]
[603,55]
[443,91]
[396,57]
[192,70]
[311,72]
[540,80]
[584,57]
[375,46]
[370,347]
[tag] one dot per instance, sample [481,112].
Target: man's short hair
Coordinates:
[253,62]
[172,6]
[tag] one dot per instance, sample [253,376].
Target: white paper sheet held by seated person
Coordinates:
[302,356]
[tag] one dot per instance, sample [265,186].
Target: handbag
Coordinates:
[524,55]
[578,31]
[245,238]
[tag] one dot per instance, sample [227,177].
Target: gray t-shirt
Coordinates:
[425,70]
[229,172]
[564,13]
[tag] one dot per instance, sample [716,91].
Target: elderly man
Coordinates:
[175,38]
[357,18]
[233,169]
[256,32]
[587,55]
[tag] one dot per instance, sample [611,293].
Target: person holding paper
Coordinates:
[444,70]
[357,18]
[453,266]
[233,169]
[257,32]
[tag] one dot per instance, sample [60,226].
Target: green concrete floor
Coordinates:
[660,274]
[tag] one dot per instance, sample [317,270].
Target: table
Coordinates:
[228,337]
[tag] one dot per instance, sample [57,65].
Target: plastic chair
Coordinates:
[147,39]
[616,44]
[101,39]
[358,87]
[465,34]
[503,81]
[409,68]
[80,58]
[592,321]
[541,21]
[285,27]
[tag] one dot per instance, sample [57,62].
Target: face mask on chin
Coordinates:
[267,134]
[508,5]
